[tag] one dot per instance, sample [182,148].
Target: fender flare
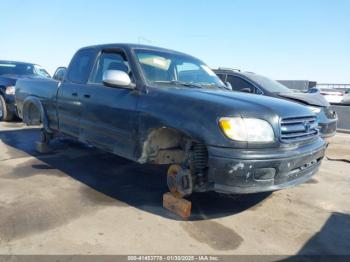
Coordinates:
[34,101]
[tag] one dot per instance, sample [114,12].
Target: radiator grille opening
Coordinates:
[298,129]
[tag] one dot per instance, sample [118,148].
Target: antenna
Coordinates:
[141,38]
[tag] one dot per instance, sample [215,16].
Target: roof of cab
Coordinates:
[135,46]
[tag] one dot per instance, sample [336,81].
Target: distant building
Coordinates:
[301,85]
[334,86]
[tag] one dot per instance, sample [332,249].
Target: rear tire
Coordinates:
[5,114]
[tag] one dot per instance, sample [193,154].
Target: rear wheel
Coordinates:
[5,114]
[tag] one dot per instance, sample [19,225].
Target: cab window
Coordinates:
[80,66]
[109,61]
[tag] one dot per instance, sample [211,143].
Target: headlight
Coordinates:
[247,129]
[314,109]
[10,90]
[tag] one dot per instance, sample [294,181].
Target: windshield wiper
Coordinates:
[176,82]
[215,85]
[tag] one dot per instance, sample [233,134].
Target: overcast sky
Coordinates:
[287,39]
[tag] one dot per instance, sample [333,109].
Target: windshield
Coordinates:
[269,84]
[168,68]
[22,69]
[41,72]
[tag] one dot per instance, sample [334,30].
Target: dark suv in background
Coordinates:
[249,82]
[10,72]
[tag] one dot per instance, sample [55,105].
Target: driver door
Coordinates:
[109,119]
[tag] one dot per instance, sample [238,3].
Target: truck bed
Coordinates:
[43,89]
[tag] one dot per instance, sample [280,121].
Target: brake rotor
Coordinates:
[179,181]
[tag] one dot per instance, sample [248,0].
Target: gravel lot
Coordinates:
[78,200]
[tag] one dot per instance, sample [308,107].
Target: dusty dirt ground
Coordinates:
[78,200]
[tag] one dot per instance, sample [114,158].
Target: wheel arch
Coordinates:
[165,145]
[34,113]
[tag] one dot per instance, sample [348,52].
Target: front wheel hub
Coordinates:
[179,181]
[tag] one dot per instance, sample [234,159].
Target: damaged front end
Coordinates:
[250,171]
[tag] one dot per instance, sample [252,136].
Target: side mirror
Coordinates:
[117,78]
[313,90]
[228,86]
[59,74]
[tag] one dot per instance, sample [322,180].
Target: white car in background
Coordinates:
[346,99]
[336,96]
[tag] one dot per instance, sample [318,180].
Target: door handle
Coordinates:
[74,94]
[87,96]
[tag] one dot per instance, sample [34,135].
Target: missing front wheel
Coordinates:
[179,181]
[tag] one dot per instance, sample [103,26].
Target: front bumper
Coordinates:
[234,171]
[327,123]
[328,129]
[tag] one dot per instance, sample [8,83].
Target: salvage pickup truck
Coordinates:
[154,105]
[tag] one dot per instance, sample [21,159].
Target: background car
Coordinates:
[300,85]
[333,96]
[256,84]
[346,98]
[10,72]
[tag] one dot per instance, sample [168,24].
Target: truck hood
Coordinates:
[8,80]
[11,80]
[314,99]
[246,105]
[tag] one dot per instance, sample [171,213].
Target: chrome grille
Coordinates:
[298,129]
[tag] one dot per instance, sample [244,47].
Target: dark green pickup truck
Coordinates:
[153,105]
